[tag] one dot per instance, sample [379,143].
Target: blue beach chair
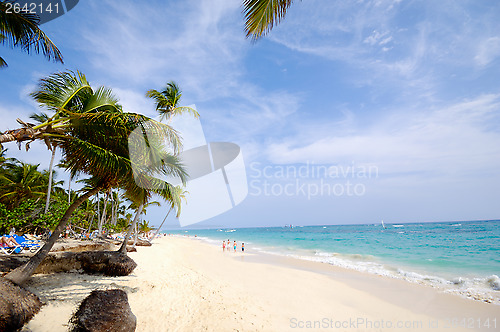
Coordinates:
[4,248]
[8,250]
[25,244]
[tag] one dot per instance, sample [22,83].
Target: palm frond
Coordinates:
[63,90]
[178,194]
[262,15]
[172,92]
[185,109]
[84,157]
[39,117]
[158,97]
[102,99]
[167,100]
[21,30]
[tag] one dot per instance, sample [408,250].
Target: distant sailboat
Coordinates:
[383,224]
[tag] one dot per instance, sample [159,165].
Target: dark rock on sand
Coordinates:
[17,305]
[140,243]
[111,263]
[9,263]
[59,262]
[104,310]
[82,245]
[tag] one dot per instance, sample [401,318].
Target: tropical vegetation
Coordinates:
[93,133]
[22,204]
[21,30]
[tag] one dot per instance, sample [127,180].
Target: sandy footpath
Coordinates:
[184,284]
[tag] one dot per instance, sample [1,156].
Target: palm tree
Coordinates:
[93,136]
[167,102]
[144,212]
[144,227]
[21,30]
[262,15]
[4,161]
[119,209]
[167,105]
[140,198]
[176,203]
[134,206]
[88,212]
[41,118]
[103,215]
[21,181]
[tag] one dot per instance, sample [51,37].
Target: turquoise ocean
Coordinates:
[458,257]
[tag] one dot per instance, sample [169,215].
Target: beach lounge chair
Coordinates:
[7,250]
[26,244]
[31,238]
[23,244]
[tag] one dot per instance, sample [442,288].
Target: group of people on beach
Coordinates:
[227,246]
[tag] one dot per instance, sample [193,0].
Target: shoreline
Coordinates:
[183,284]
[476,287]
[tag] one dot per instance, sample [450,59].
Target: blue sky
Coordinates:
[409,88]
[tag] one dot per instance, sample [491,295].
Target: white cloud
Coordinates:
[488,51]
[135,102]
[386,48]
[453,140]
[9,113]
[194,43]
[201,46]
[252,113]
[377,38]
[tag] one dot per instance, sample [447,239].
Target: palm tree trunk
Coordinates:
[114,209]
[123,248]
[69,191]
[159,228]
[19,135]
[103,217]
[51,170]
[136,234]
[90,224]
[98,208]
[22,273]
[7,138]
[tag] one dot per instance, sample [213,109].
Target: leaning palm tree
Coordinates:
[146,183]
[262,15]
[93,136]
[144,212]
[167,102]
[167,105]
[22,30]
[141,196]
[176,203]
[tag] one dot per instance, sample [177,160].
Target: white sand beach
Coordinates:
[183,284]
